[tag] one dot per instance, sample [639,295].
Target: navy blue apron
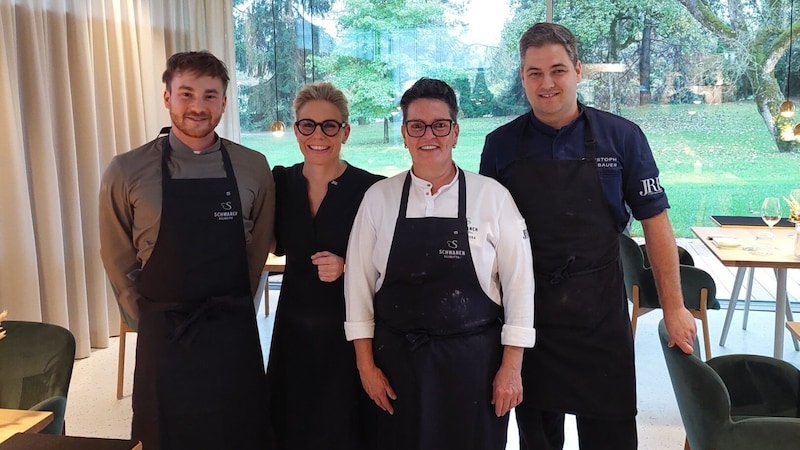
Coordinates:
[437,338]
[583,359]
[199,380]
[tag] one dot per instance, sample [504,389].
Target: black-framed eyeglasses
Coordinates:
[439,128]
[330,128]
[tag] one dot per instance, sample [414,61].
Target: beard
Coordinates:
[194,129]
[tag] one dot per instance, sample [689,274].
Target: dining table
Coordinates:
[737,247]
[14,421]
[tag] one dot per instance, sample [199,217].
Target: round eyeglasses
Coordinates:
[439,128]
[330,128]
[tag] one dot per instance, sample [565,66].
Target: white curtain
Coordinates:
[80,82]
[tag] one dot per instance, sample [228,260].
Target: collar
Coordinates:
[550,131]
[425,185]
[178,146]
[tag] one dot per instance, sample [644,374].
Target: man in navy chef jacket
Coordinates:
[571,170]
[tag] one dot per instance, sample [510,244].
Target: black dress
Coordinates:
[316,396]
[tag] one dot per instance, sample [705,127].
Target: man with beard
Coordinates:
[186,223]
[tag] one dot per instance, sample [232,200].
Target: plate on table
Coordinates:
[726,242]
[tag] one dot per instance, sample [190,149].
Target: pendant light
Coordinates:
[277,128]
[787,107]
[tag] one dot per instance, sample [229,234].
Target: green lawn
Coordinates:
[718,160]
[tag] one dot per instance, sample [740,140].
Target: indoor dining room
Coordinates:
[93,409]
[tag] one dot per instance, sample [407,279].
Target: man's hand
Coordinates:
[682,329]
[329,266]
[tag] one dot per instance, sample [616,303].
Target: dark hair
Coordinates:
[433,89]
[199,63]
[322,91]
[544,33]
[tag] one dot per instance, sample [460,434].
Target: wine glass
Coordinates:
[770,214]
[771,211]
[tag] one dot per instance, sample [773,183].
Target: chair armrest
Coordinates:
[767,433]
[58,406]
[759,385]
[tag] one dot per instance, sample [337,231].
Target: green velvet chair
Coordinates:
[698,287]
[734,402]
[36,361]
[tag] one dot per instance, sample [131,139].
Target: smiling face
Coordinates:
[195,105]
[551,82]
[429,153]
[319,148]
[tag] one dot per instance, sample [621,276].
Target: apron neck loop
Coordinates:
[462,195]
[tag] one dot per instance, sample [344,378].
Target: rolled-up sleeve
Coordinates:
[515,270]
[361,275]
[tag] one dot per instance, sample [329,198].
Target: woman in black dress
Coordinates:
[315,391]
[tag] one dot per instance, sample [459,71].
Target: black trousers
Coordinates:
[544,430]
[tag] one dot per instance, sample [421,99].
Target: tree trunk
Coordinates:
[644,64]
[768,97]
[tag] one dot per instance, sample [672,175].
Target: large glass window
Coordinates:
[707,94]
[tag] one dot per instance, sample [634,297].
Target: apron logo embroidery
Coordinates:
[227,212]
[452,252]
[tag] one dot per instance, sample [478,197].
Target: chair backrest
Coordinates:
[636,274]
[684,257]
[36,361]
[702,397]
[693,281]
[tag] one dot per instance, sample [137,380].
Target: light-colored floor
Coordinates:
[93,409]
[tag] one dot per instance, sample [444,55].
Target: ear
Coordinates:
[166,98]
[456,130]
[224,103]
[346,133]
[579,70]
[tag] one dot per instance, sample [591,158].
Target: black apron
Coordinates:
[199,377]
[583,359]
[437,338]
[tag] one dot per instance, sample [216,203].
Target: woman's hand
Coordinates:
[329,266]
[378,388]
[507,384]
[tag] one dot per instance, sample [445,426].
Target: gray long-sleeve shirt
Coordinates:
[130,206]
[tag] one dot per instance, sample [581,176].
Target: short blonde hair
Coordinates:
[322,91]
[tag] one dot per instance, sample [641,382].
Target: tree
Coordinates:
[759,35]
[617,31]
[482,98]
[269,56]
[384,44]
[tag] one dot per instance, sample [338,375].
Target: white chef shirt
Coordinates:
[498,239]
